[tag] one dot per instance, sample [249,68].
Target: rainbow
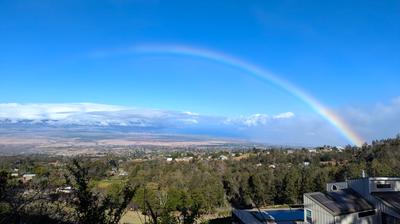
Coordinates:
[257,72]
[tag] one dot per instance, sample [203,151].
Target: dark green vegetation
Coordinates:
[180,191]
[40,203]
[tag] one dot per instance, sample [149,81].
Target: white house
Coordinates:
[27,177]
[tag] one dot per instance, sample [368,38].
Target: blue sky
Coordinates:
[344,53]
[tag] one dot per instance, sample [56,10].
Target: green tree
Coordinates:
[290,183]
[91,207]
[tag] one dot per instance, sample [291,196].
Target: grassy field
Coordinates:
[107,183]
[132,217]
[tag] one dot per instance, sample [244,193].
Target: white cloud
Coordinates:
[88,114]
[191,113]
[15,111]
[381,120]
[255,120]
[258,119]
[371,122]
[284,115]
[105,115]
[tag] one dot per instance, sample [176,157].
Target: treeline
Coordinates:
[184,192]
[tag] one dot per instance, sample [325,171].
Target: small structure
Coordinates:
[222,157]
[336,186]
[27,177]
[272,166]
[122,173]
[169,159]
[184,159]
[340,148]
[65,190]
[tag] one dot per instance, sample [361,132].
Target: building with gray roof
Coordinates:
[365,200]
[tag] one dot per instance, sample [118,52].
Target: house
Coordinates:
[364,200]
[340,148]
[184,159]
[312,150]
[222,157]
[27,177]
[65,190]
[122,172]
[341,206]
[383,193]
[328,163]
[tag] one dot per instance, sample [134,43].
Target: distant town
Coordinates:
[226,183]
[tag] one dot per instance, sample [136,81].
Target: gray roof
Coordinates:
[341,202]
[384,178]
[390,199]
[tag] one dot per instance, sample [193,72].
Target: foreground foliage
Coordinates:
[27,204]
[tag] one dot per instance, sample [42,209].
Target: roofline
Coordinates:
[320,204]
[376,178]
[337,182]
[384,178]
[330,211]
[385,203]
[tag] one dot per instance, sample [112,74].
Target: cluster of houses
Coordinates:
[367,200]
[25,178]
[190,158]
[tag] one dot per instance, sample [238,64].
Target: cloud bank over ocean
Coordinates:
[101,114]
[371,122]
